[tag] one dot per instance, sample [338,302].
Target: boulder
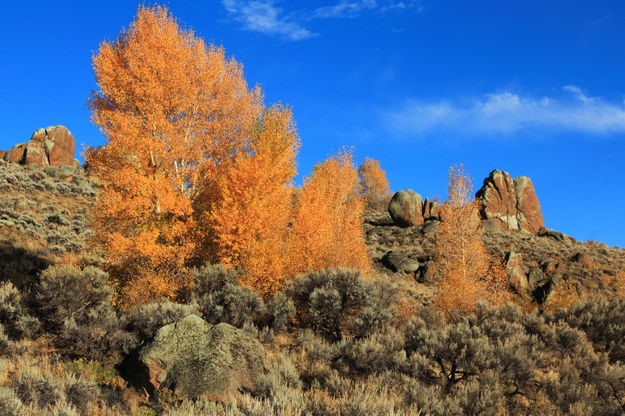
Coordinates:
[510,204]
[555,235]
[400,262]
[16,155]
[584,259]
[196,359]
[536,277]
[430,226]
[542,293]
[516,272]
[406,208]
[431,209]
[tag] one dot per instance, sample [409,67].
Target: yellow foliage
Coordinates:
[375,186]
[467,273]
[252,216]
[328,223]
[171,109]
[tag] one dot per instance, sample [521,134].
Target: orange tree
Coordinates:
[467,272]
[375,186]
[327,225]
[172,110]
[251,218]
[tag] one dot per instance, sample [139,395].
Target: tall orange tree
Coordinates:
[466,271]
[172,110]
[327,227]
[255,192]
[375,186]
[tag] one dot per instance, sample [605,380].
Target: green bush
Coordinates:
[339,302]
[221,299]
[75,306]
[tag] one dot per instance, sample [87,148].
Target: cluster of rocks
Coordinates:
[52,146]
[505,204]
[407,208]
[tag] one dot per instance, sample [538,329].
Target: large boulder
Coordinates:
[53,146]
[406,208]
[510,204]
[194,358]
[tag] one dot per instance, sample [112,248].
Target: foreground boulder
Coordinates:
[510,204]
[194,358]
[52,146]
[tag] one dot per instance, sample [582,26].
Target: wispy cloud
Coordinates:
[506,113]
[351,8]
[265,16]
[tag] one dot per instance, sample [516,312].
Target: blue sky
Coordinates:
[536,88]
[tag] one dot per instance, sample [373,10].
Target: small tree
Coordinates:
[327,226]
[466,271]
[375,186]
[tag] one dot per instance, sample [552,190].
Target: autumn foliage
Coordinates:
[374,185]
[251,219]
[327,226]
[195,168]
[467,273]
[172,110]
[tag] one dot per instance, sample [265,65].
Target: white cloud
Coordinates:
[507,112]
[352,8]
[265,17]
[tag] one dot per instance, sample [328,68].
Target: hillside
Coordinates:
[44,215]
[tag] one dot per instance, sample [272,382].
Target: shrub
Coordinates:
[337,302]
[145,320]
[10,404]
[280,310]
[38,388]
[602,319]
[75,305]
[13,315]
[221,299]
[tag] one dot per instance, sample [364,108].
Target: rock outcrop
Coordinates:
[194,358]
[52,146]
[510,204]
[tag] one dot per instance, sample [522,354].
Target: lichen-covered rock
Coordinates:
[194,358]
[431,209]
[36,154]
[406,208]
[510,204]
[400,262]
[529,214]
[16,154]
